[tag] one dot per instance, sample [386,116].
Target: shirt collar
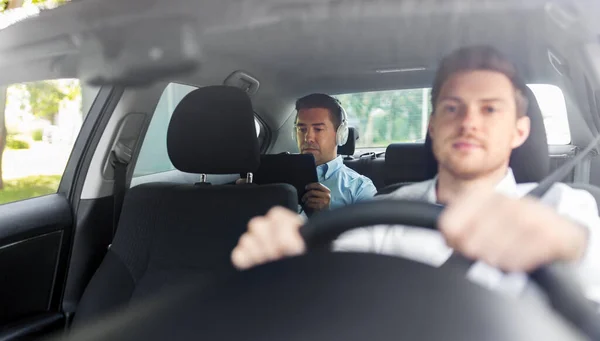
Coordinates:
[327,169]
[506,186]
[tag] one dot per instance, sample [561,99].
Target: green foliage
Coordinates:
[14,142]
[44,2]
[385,117]
[29,187]
[37,135]
[44,98]
[4,3]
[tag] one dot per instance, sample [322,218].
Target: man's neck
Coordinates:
[450,185]
[327,161]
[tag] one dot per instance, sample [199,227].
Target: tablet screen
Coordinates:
[298,170]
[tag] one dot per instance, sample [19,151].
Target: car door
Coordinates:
[49,132]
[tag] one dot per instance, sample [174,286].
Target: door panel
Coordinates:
[34,239]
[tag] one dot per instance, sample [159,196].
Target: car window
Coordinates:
[384,117]
[153,157]
[40,123]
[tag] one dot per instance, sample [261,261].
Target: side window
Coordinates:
[39,122]
[384,117]
[154,157]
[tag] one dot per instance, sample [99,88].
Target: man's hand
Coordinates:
[317,197]
[511,234]
[270,237]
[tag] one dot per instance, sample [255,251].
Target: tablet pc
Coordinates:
[297,170]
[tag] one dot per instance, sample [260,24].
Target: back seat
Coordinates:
[401,164]
[370,165]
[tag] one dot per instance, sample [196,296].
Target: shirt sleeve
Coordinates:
[366,190]
[580,206]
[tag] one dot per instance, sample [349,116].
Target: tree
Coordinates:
[11,4]
[385,116]
[45,97]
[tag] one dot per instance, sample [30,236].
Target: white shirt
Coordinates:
[428,246]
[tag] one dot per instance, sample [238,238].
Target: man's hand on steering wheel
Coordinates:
[511,234]
[270,237]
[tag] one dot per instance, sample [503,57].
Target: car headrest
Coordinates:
[404,162]
[212,131]
[531,161]
[348,148]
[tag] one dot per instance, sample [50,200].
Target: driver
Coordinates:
[479,117]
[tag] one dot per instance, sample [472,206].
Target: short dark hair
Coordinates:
[323,101]
[474,58]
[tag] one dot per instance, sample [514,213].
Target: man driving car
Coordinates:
[479,117]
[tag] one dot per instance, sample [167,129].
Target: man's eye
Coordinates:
[318,129]
[301,130]
[489,109]
[450,108]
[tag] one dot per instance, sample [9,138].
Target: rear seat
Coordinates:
[369,165]
[401,164]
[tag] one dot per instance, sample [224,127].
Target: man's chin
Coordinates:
[467,169]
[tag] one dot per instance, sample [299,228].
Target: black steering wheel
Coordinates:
[356,296]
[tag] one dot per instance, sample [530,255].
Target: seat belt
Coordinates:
[564,170]
[119,184]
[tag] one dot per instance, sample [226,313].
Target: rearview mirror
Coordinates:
[141,52]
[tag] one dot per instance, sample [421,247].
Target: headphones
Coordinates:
[341,135]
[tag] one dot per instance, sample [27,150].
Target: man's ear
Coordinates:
[523,129]
[430,129]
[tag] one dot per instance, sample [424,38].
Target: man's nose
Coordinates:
[309,136]
[470,118]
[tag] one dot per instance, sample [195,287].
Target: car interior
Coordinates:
[182,97]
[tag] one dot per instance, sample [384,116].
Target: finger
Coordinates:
[486,239]
[318,195]
[247,253]
[262,229]
[459,217]
[287,231]
[317,187]
[306,196]
[284,217]
[312,204]
[525,256]
[314,194]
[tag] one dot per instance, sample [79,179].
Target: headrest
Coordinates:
[531,161]
[350,145]
[212,131]
[404,162]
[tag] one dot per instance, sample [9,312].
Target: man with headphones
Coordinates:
[321,126]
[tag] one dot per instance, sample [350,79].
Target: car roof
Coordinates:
[299,46]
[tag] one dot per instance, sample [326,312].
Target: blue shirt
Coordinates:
[346,185]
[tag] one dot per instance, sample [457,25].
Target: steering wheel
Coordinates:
[355,296]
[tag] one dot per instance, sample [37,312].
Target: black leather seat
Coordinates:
[169,232]
[367,164]
[530,162]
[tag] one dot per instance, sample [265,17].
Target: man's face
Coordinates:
[315,134]
[475,127]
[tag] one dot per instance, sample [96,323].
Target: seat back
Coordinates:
[169,233]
